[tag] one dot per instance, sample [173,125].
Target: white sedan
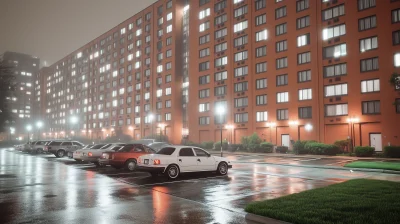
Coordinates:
[173,160]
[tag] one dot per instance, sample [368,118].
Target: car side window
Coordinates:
[116,148]
[200,152]
[148,150]
[77,144]
[66,143]
[138,148]
[186,152]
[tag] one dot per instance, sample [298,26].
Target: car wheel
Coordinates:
[172,171]
[130,165]
[38,151]
[60,153]
[222,168]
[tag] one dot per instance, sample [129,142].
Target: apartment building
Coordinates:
[20,102]
[288,70]
[285,69]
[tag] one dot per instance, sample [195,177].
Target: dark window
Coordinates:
[369,64]
[186,152]
[280,12]
[282,114]
[260,4]
[302,5]
[166,151]
[305,112]
[371,107]
[55,143]
[200,152]
[281,46]
[367,23]
[366,4]
[396,16]
[202,2]
[281,80]
[304,76]
[397,105]
[396,37]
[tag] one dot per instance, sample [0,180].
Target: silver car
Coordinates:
[92,155]
[61,148]
[38,146]
[71,154]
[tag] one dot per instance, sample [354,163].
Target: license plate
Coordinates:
[146,161]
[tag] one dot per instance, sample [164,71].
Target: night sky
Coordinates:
[51,29]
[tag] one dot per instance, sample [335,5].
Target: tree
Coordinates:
[7,86]
[395,80]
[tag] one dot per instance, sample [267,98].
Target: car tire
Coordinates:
[38,151]
[172,171]
[60,153]
[222,168]
[130,165]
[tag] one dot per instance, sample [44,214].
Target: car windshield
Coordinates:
[166,151]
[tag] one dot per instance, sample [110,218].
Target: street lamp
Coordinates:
[29,128]
[161,126]
[308,127]
[151,117]
[133,131]
[351,121]
[230,127]
[39,125]
[73,121]
[270,125]
[221,111]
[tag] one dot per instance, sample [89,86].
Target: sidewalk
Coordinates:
[303,156]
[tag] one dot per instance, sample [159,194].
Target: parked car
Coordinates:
[93,155]
[71,153]
[38,146]
[78,154]
[158,145]
[174,160]
[125,157]
[144,141]
[61,148]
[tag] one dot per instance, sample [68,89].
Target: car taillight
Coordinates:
[157,162]
[106,156]
[89,154]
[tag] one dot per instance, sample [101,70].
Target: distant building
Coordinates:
[285,69]
[21,101]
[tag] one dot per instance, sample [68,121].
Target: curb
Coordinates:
[263,219]
[328,167]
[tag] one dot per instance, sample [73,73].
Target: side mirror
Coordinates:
[208,155]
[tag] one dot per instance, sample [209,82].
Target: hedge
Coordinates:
[317,148]
[364,151]
[282,149]
[265,147]
[207,145]
[217,145]
[392,151]
[299,147]
[343,144]
[236,147]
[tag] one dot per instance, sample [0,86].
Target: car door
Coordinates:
[67,146]
[187,161]
[204,160]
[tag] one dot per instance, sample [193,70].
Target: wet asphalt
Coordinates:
[45,189]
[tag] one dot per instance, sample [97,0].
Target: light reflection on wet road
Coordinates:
[43,189]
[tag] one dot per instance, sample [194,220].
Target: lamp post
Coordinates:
[39,125]
[270,125]
[230,127]
[29,128]
[73,121]
[161,126]
[221,111]
[351,121]
[295,123]
[133,131]
[151,117]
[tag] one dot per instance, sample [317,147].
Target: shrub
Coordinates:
[282,149]
[343,144]
[265,147]
[236,147]
[392,151]
[217,145]
[364,151]
[252,142]
[300,147]
[207,145]
[190,143]
[317,148]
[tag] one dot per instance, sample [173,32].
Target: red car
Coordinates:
[126,157]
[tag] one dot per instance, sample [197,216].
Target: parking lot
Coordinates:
[44,189]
